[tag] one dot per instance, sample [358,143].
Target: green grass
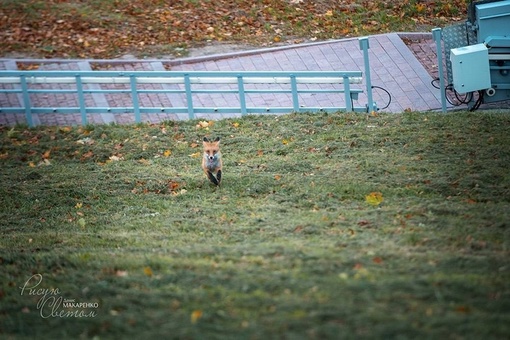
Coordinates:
[288,247]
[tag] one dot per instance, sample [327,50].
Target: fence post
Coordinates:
[348,95]
[134,98]
[436,34]
[363,44]
[295,97]
[189,96]
[26,100]
[242,95]
[81,99]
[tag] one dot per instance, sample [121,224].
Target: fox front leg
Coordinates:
[212,178]
[218,177]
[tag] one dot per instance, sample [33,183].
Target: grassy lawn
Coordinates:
[155,28]
[326,226]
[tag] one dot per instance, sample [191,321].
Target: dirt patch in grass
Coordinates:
[326,226]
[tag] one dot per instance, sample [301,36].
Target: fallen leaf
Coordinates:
[196,315]
[86,155]
[121,273]
[172,185]
[148,271]
[167,153]
[363,223]
[462,309]
[377,260]
[85,141]
[46,155]
[204,124]
[374,198]
[44,162]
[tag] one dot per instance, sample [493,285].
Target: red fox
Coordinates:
[211,162]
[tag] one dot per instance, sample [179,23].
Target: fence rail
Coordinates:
[182,86]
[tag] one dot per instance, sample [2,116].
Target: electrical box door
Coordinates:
[470,68]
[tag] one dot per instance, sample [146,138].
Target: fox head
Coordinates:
[211,149]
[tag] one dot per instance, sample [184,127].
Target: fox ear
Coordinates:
[217,139]
[206,140]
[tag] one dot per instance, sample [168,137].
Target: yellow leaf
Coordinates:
[204,124]
[78,205]
[195,315]
[167,153]
[31,164]
[374,198]
[420,7]
[235,124]
[148,271]
[329,13]
[195,155]
[46,155]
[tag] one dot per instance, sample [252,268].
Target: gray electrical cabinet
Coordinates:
[470,68]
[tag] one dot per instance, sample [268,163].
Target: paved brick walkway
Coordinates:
[403,64]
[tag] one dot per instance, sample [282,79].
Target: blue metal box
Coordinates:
[470,68]
[493,19]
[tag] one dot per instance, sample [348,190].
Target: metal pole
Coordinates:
[189,96]
[348,95]
[26,100]
[134,98]
[242,95]
[81,100]
[363,45]
[436,33]
[295,97]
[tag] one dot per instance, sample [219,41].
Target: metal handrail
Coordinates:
[33,82]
